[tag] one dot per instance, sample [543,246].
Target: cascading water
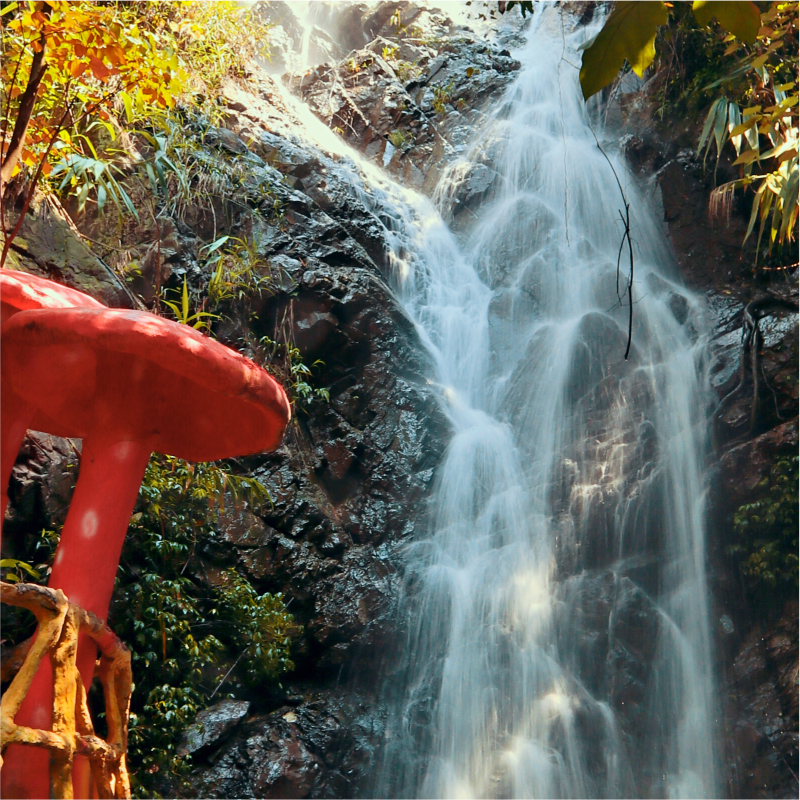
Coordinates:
[557,610]
[572,486]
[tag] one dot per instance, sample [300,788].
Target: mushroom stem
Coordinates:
[85,568]
[15,417]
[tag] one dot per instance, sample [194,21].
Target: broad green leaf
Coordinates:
[101,197]
[629,33]
[743,19]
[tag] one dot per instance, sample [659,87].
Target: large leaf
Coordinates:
[629,33]
[742,19]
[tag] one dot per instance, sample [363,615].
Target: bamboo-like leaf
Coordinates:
[185,300]
[789,201]
[754,210]
[746,158]
[710,124]
[629,33]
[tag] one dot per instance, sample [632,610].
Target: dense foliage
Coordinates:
[629,36]
[179,626]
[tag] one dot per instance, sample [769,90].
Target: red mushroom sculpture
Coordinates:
[20,291]
[127,383]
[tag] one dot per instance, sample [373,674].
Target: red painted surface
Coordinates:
[127,383]
[20,291]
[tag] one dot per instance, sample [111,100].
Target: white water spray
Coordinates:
[570,502]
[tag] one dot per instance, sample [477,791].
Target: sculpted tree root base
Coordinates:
[72,732]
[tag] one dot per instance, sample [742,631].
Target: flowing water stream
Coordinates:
[557,610]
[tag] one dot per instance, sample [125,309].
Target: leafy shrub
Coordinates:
[767,529]
[177,627]
[400,139]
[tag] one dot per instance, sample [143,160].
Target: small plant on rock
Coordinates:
[442,97]
[401,139]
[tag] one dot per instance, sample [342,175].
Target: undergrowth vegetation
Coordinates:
[181,627]
[767,531]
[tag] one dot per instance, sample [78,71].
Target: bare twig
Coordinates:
[626,236]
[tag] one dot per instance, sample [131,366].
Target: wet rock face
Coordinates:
[321,748]
[41,484]
[757,646]
[614,628]
[410,98]
[762,751]
[212,724]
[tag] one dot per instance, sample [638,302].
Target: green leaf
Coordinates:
[742,19]
[215,245]
[128,103]
[101,197]
[629,33]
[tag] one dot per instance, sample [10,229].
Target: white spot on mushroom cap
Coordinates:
[89,524]
[149,324]
[59,557]
[40,718]
[122,450]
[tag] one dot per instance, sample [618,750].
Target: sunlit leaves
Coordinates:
[629,34]
[93,52]
[742,19]
[764,134]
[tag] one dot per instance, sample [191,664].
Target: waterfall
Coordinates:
[566,533]
[555,610]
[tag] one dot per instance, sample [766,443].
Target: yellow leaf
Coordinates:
[744,126]
[743,19]
[629,33]
[746,158]
[77,68]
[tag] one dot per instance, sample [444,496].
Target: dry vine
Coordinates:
[72,732]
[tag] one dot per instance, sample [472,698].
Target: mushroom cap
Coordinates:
[132,376]
[20,291]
